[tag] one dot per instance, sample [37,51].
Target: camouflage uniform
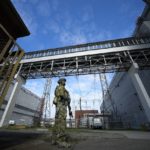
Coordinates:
[61,101]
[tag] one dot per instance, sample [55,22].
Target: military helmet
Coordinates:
[61,79]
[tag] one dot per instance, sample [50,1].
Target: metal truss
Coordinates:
[91,64]
[44,107]
[46,97]
[106,95]
[10,57]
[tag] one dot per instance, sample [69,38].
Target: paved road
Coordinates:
[13,138]
[116,140]
[82,139]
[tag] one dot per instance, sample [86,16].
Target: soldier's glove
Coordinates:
[70,114]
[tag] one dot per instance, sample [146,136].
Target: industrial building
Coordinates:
[86,119]
[16,103]
[122,99]
[11,28]
[81,119]
[26,109]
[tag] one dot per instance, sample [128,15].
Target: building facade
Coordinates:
[26,109]
[80,119]
[124,103]
[123,100]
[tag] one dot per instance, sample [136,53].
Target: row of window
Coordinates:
[120,43]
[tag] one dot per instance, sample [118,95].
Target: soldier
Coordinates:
[61,101]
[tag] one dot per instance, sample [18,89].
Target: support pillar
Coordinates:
[141,91]
[11,102]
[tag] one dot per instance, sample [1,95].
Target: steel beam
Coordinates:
[140,88]
[111,62]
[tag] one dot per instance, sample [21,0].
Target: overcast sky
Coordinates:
[57,23]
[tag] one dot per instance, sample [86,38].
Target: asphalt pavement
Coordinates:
[81,140]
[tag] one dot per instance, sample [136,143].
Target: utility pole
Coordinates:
[80,104]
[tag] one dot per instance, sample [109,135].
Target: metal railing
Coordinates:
[88,47]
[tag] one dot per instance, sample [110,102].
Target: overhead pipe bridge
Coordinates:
[91,58]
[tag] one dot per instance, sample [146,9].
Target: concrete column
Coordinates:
[141,91]
[11,102]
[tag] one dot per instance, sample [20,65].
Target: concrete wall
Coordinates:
[143,23]
[26,107]
[126,101]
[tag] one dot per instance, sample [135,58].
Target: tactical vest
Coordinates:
[62,95]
